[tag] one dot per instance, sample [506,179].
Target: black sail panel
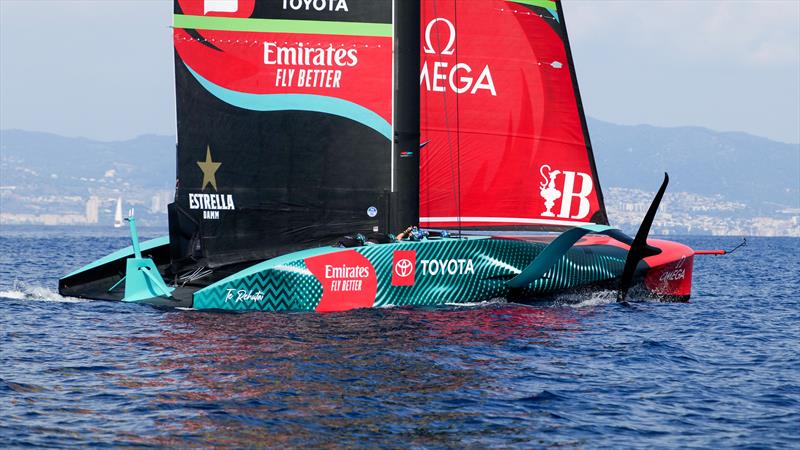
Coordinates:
[284,126]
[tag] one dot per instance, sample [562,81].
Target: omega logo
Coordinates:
[458,77]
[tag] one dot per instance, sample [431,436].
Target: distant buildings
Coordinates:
[19,207]
[686,213]
[92,209]
[159,202]
[94,202]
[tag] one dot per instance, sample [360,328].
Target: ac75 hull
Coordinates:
[422,273]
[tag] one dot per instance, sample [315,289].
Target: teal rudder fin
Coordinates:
[142,279]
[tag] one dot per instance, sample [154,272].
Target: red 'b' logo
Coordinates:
[403,267]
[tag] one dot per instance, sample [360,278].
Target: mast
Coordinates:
[404,197]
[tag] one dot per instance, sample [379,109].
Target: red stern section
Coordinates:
[670,272]
[348,280]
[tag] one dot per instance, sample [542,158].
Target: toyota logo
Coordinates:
[403,268]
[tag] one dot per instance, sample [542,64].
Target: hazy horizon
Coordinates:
[590,120]
[104,70]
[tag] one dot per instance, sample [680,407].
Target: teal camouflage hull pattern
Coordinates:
[443,271]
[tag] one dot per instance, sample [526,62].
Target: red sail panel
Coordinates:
[352,68]
[261,48]
[507,142]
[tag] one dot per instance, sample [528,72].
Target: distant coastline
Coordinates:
[724,183]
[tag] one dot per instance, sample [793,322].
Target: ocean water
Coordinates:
[721,371]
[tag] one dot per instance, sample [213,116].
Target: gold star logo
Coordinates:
[209,168]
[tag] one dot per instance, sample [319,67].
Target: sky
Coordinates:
[102,69]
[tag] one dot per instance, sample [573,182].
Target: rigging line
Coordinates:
[458,125]
[453,179]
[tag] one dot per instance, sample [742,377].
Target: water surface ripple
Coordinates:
[721,371]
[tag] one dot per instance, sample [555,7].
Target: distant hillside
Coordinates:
[58,163]
[730,176]
[47,179]
[761,173]
[741,167]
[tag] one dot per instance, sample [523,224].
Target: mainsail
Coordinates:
[285,125]
[508,146]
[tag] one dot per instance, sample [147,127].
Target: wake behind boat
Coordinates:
[307,139]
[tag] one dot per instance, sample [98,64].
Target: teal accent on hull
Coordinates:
[558,248]
[298,102]
[289,287]
[126,252]
[480,272]
[277,261]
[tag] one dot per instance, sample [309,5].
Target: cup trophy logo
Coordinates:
[547,189]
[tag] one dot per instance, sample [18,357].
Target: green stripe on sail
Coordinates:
[281,26]
[542,3]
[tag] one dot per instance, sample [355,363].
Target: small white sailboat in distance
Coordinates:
[118,214]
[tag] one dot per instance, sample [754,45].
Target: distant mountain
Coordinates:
[759,172]
[54,180]
[58,162]
[42,173]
